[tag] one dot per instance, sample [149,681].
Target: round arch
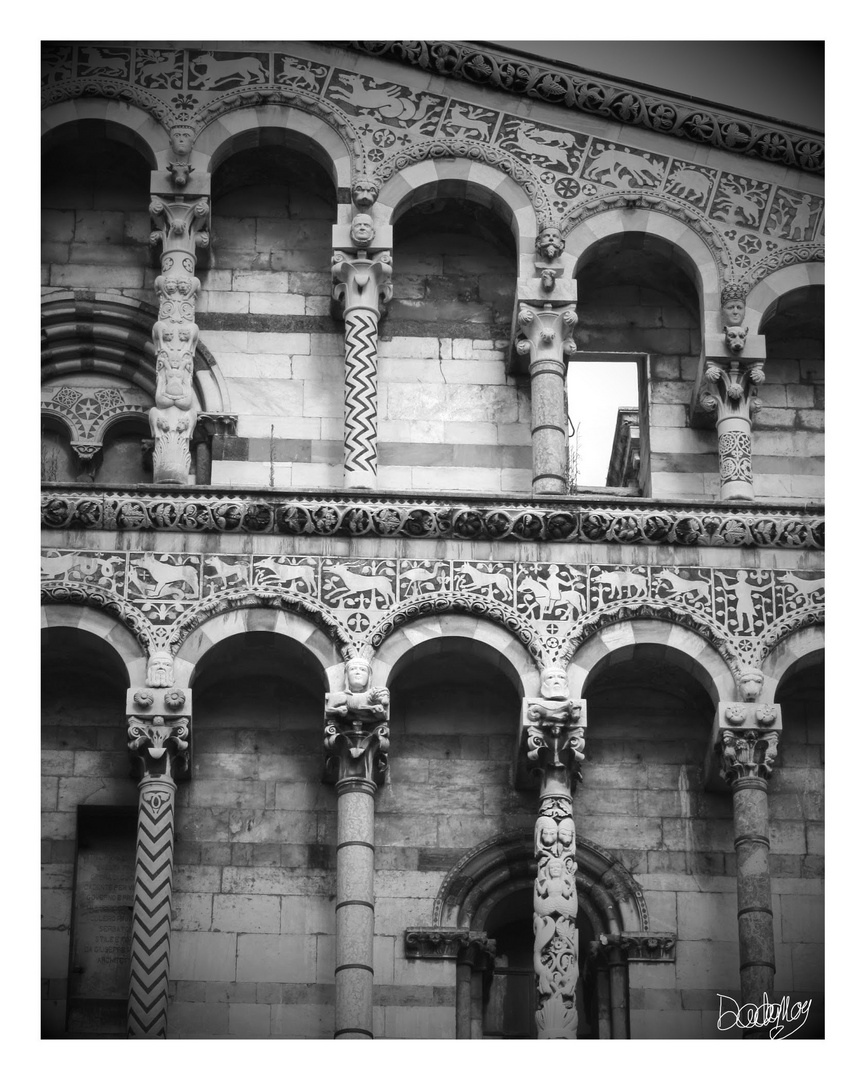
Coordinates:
[763,299]
[227,624]
[121,122]
[687,247]
[463,179]
[506,862]
[801,649]
[431,633]
[129,651]
[243,129]
[108,333]
[667,641]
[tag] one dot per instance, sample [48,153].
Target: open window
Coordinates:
[608,425]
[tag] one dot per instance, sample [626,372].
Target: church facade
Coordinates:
[361,716]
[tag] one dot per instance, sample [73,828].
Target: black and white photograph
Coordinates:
[432,540]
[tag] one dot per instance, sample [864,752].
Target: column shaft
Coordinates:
[549,429]
[464,999]
[734,457]
[620,1026]
[355,908]
[151,909]
[756,934]
[361,399]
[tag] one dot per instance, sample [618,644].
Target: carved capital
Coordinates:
[180,227]
[447,943]
[639,946]
[545,335]
[158,730]
[746,739]
[361,282]
[729,390]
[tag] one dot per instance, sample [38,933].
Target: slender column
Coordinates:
[555,727]
[180,228]
[620,1014]
[730,391]
[356,745]
[545,334]
[746,742]
[362,288]
[158,730]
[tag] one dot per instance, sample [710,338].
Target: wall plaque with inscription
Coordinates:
[102,923]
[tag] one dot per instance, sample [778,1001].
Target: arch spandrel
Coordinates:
[764,297]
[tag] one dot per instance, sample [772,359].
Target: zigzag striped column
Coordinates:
[362,286]
[158,744]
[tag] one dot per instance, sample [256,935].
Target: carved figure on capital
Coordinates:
[556,725]
[160,669]
[546,333]
[356,734]
[362,283]
[550,243]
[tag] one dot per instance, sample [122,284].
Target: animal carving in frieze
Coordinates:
[620,583]
[690,184]
[271,570]
[388,100]
[464,120]
[164,578]
[679,588]
[301,78]
[93,61]
[354,586]
[620,166]
[212,73]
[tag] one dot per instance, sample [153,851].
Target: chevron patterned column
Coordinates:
[158,728]
[362,287]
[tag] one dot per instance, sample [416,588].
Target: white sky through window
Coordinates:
[596,391]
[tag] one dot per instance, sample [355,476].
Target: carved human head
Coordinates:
[554,684]
[733,305]
[735,336]
[357,672]
[160,669]
[364,192]
[181,139]
[550,243]
[545,832]
[362,230]
[750,684]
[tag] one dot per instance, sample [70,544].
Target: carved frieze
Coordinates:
[387,126]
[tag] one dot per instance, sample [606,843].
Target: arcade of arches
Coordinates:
[361,717]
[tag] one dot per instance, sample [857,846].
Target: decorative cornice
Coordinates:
[564,520]
[640,946]
[447,943]
[623,102]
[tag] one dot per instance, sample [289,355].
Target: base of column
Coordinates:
[360,481]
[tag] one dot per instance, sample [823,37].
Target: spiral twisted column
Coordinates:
[554,728]
[158,732]
[356,744]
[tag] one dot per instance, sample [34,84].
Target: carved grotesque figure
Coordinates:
[160,669]
[554,684]
[364,192]
[362,230]
[180,171]
[750,684]
[550,243]
[733,305]
[359,697]
[181,140]
[735,337]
